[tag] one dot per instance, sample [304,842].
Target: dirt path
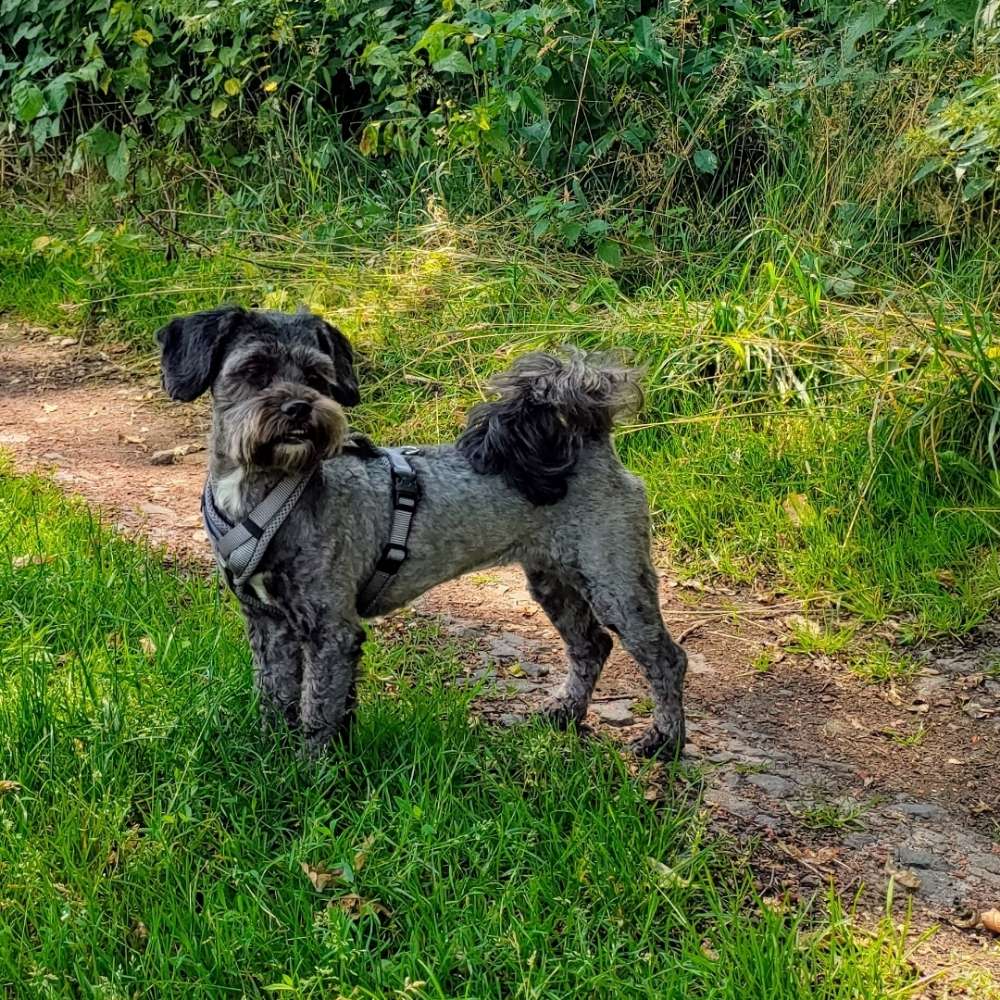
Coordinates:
[827,778]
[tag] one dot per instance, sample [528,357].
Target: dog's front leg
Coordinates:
[277,660]
[330,661]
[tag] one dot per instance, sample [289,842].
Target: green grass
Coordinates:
[153,843]
[785,431]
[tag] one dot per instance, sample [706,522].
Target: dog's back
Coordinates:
[548,408]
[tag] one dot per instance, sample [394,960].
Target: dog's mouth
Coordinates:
[271,438]
[297,435]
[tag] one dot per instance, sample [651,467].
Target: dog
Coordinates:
[534,479]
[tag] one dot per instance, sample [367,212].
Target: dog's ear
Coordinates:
[192,348]
[338,347]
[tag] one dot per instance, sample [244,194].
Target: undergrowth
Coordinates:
[843,449]
[153,841]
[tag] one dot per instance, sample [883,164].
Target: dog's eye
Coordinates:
[256,372]
[319,383]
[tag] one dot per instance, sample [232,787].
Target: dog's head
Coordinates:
[278,382]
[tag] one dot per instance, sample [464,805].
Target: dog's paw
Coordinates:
[654,741]
[561,712]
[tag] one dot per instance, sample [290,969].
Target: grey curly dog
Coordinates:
[534,479]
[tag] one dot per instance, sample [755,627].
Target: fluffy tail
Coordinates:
[548,407]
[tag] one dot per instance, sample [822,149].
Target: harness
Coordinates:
[239,548]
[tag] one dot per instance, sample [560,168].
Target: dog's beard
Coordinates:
[262,436]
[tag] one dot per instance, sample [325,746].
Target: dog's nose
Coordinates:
[296,409]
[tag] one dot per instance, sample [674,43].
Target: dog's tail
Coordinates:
[548,407]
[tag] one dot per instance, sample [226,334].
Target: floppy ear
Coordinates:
[192,348]
[335,344]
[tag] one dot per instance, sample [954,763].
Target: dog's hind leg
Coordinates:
[587,644]
[625,599]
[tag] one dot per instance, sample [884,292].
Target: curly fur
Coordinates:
[535,481]
[548,408]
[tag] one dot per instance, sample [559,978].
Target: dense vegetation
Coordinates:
[785,209]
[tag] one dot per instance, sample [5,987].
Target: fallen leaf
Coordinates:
[982,807]
[990,919]
[19,562]
[965,920]
[148,647]
[361,854]
[798,510]
[976,711]
[799,623]
[7,787]
[668,878]
[320,876]
[708,951]
[139,935]
[903,876]
[49,407]
[356,906]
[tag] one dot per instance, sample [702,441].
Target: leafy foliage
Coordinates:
[610,116]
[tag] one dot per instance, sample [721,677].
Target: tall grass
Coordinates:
[788,431]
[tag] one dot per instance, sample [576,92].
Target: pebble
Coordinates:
[921,810]
[772,784]
[617,713]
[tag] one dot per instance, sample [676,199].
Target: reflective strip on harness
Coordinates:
[239,548]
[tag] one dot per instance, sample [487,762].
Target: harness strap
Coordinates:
[405,494]
[239,548]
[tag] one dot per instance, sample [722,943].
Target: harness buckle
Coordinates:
[407,487]
[393,556]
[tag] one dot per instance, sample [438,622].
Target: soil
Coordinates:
[821,777]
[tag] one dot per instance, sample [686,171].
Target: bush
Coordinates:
[613,119]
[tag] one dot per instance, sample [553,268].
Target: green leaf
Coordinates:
[609,252]
[117,161]
[28,101]
[532,101]
[868,20]
[57,91]
[930,166]
[974,187]
[706,161]
[453,62]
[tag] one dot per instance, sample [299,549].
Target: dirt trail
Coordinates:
[826,777]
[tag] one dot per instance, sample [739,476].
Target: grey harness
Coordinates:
[239,548]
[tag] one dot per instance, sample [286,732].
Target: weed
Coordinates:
[642,707]
[911,739]
[879,663]
[835,816]
[811,637]
[764,660]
